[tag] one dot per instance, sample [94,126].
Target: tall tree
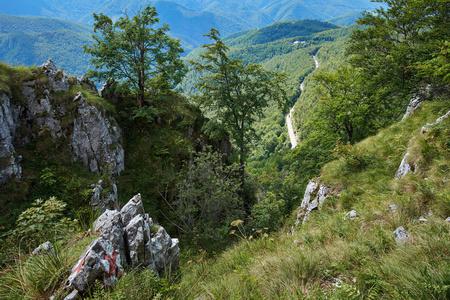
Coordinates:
[235,93]
[133,52]
[399,35]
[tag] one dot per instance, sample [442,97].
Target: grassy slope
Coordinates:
[362,253]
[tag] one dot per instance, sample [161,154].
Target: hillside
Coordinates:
[33,40]
[189,20]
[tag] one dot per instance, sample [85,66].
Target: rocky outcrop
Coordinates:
[104,196]
[406,166]
[95,140]
[126,239]
[9,160]
[49,107]
[315,195]
[412,106]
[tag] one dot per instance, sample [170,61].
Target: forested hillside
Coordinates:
[33,40]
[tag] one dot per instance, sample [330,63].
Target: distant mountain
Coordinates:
[190,19]
[33,40]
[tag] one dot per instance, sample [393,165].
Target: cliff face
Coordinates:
[52,105]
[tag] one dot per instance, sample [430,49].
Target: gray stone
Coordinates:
[44,248]
[448,219]
[404,167]
[132,209]
[412,106]
[351,215]
[138,239]
[100,261]
[165,251]
[95,140]
[424,129]
[392,207]
[9,164]
[423,219]
[74,295]
[59,81]
[401,235]
[103,201]
[315,195]
[110,226]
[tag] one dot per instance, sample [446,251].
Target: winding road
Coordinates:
[290,125]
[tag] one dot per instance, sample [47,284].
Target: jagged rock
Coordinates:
[110,225]
[139,242]
[392,207]
[404,167]
[401,235]
[44,248]
[125,240]
[101,261]
[95,140]
[165,251]
[132,209]
[313,198]
[58,79]
[101,202]
[88,84]
[9,161]
[412,106]
[74,295]
[351,215]
[424,129]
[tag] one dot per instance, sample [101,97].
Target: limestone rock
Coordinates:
[315,195]
[401,235]
[351,215]
[44,248]
[95,140]
[447,220]
[100,261]
[404,167]
[132,209]
[392,207]
[58,79]
[424,129]
[9,161]
[74,295]
[423,219]
[412,106]
[101,201]
[125,240]
[165,251]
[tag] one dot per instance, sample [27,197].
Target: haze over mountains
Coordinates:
[190,19]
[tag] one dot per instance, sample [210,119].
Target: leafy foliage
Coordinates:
[134,53]
[236,94]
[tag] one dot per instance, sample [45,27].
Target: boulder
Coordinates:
[315,195]
[401,235]
[351,215]
[125,240]
[44,248]
[101,261]
[404,167]
[392,207]
[59,81]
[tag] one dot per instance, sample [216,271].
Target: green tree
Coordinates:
[345,110]
[236,94]
[396,37]
[208,200]
[133,52]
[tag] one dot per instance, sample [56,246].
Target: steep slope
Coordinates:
[394,246]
